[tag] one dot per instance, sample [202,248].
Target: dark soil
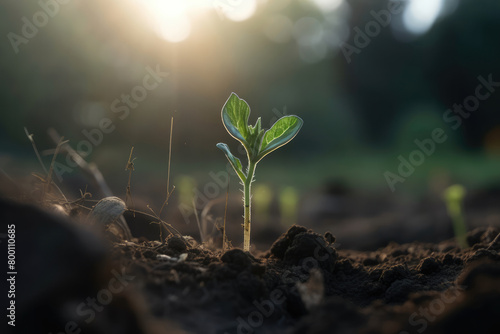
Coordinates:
[70,281]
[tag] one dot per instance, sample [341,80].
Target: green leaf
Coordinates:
[279,134]
[235,162]
[255,134]
[235,113]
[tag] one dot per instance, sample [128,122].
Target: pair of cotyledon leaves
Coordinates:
[257,141]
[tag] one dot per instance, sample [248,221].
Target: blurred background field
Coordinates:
[362,109]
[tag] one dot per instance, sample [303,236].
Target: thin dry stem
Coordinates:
[30,137]
[164,223]
[206,218]
[51,169]
[202,233]
[48,181]
[130,168]
[168,169]
[89,168]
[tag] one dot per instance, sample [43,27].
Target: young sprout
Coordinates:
[257,143]
[454,196]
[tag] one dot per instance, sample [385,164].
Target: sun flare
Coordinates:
[169,18]
[173,19]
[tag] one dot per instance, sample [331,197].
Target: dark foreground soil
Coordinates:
[70,281]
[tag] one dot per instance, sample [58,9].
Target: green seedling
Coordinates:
[257,143]
[454,196]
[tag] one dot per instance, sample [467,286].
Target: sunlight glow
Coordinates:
[241,10]
[175,29]
[167,8]
[169,18]
[172,18]
[420,15]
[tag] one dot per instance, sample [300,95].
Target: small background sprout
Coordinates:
[454,196]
